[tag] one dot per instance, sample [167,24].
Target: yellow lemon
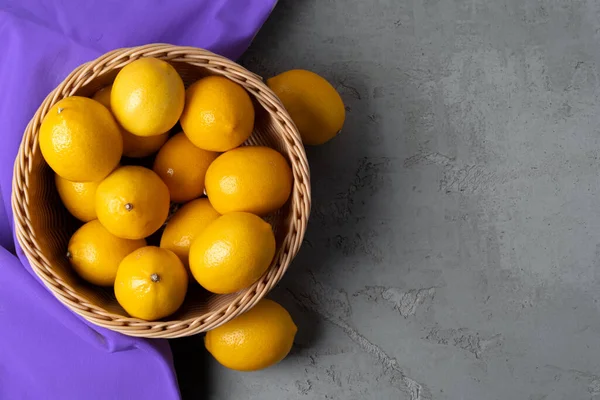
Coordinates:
[254,340]
[142,146]
[133,145]
[147,97]
[253,179]
[218,114]
[78,197]
[151,283]
[80,139]
[232,253]
[182,166]
[185,225]
[95,253]
[314,105]
[132,202]
[102,96]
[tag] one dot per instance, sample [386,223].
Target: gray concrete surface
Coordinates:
[454,245]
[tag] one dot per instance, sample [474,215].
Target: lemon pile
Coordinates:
[100,149]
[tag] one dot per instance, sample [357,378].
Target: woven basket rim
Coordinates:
[244,300]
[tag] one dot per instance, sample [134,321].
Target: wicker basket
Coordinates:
[43,226]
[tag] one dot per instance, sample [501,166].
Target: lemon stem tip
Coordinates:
[155,278]
[129,206]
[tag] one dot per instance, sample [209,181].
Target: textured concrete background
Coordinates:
[454,246]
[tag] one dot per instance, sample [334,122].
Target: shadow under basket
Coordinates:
[43,226]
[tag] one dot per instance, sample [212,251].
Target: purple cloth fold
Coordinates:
[47,352]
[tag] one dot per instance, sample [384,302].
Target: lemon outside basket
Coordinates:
[43,226]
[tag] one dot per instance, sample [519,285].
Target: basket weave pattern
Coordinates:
[43,227]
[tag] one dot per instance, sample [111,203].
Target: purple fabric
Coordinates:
[47,352]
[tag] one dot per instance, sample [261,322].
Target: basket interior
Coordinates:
[53,225]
